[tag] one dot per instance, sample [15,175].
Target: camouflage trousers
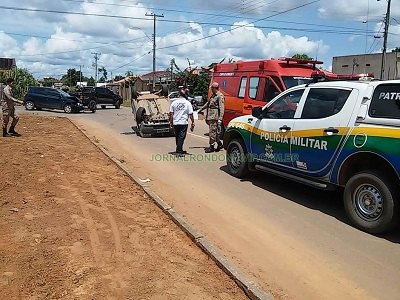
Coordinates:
[7,114]
[214,133]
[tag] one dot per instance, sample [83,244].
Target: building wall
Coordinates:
[370,63]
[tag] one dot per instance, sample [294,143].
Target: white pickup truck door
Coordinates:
[322,127]
[270,138]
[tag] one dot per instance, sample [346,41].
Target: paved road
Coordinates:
[293,240]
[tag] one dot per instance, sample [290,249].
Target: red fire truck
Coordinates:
[247,84]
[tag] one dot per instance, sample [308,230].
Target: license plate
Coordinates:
[162,130]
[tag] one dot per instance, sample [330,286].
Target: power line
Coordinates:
[124,65]
[240,26]
[178,21]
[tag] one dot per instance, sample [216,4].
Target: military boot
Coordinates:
[12,131]
[5,133]
[210,149]
[219,146]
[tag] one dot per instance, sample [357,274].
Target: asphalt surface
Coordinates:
[294,241]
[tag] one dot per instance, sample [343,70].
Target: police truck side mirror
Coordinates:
[257,112]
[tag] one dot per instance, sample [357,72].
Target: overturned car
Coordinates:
[151,115]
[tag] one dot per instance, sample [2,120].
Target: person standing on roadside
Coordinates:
[180,112]
[214,112]
[7,104]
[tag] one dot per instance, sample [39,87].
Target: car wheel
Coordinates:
[68,108]
[371,201]
[236,159]
[103,106]
[140,113]
[29,105]
[92,105]
[117,104]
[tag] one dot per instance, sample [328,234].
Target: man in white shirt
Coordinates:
[180,112]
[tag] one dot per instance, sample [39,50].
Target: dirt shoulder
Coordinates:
[74,226]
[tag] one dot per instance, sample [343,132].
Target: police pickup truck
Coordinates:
[342,134]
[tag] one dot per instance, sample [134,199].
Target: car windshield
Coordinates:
[291,81]
[65,94]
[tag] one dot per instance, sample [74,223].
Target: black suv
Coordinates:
[98,95]
[45,97]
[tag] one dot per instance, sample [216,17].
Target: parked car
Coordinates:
[45,97]
[329,135]
[92,96]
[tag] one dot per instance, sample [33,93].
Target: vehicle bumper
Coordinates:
[156,129]
[78,108]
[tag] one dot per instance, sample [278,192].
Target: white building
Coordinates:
[368,63]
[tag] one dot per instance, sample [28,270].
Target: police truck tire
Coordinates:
[117,104]
[92,106]
[236,159]
[371,201]
[29,105]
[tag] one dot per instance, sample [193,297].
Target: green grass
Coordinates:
[126,103]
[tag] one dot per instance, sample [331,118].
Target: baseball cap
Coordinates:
[215,84]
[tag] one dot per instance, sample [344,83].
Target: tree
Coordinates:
[71,78]
[48,81]
[104,77]
[302,56]
[90,81]
[397,49]
[201,85]
[118,78]
[23,80]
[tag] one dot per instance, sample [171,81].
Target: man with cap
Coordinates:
[7,104]
[180,111]
[214,112]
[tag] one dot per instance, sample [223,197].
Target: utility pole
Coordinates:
[155,16]
[96,59]
[80,75]
[172,70]
[385,37]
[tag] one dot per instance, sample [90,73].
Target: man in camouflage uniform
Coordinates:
[7,105]
[214,113]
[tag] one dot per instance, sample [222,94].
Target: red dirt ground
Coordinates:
[73,226]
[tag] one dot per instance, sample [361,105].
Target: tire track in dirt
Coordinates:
[90,223]
[114,227]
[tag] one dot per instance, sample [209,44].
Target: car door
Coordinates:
[100,95]
[110,96]
[270,137]
[53,99]
[321,130]
[39,96]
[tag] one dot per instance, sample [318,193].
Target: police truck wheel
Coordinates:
[29,105]
[68,108]
[236,159]
[371,201]
[117,104]
[92,106]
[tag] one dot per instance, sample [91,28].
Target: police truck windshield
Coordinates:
[291,81]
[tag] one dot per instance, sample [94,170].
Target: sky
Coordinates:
[47,37]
